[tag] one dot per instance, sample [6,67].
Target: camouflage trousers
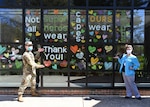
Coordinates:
[27,78]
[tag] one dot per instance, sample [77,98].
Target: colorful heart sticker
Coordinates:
[81,65]
[18,64]
[74,48]
[98,36]
[96,32]
[100,66]
[2,49]
[73,61]
[73,67]
[94,67]
[94,60]
[47,63]
[91,33]
[80,55]
[95,40]
[108,48]
[108,65]
[99,50]
[94,14]
[73,24]
[91,12]
[54,66]
[104,36]
[6,55]
[37,33]
[82,31]
[91,49]
[82,41]
[64,63]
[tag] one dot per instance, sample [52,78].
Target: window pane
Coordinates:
[123,26]
[32,25]
[10,25]
[55,2]
[124,2]
[101,3]
[139,21]
[55,26]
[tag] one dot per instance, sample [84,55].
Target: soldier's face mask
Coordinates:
[30,48]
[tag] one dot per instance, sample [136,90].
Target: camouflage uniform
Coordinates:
[29,72]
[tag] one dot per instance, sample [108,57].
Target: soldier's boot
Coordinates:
[35,93]
[20,99]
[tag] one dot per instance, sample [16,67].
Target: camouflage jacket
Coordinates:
[29,64]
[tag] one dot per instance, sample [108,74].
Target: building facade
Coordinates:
[80,39]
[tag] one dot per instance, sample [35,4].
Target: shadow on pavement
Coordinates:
[8,98]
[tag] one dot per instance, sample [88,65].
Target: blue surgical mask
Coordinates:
[30,48]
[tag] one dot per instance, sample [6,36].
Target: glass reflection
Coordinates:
[142,3]
[139,21]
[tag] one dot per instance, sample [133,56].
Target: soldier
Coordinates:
[29,71]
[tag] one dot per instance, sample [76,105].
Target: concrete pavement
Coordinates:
[74,101]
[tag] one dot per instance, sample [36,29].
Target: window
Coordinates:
[11,25]
[123,26]
[139,20]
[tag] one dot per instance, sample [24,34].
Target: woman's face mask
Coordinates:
[129,51]
[30,48]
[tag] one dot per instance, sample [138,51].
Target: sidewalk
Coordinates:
[74,101]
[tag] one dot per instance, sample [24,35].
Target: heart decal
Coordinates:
[91,33]
[18,64]
[104,36]
[6,55]
[74,48]
[96,32]
[54,67]
[95,40]
[108,65]
[64,63]
[80,55]
[93,67]
[47,63]
[108,48]
[100,67]
[94,60]
[99,50]
[73,61]
[91,49]
[98,36]
[37,33]
[73,66]
[73,24]
[90,11]
[2,49]
[81,65]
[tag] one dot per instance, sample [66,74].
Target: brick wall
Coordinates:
[49,91]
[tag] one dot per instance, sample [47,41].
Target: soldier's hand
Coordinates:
[41,66]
